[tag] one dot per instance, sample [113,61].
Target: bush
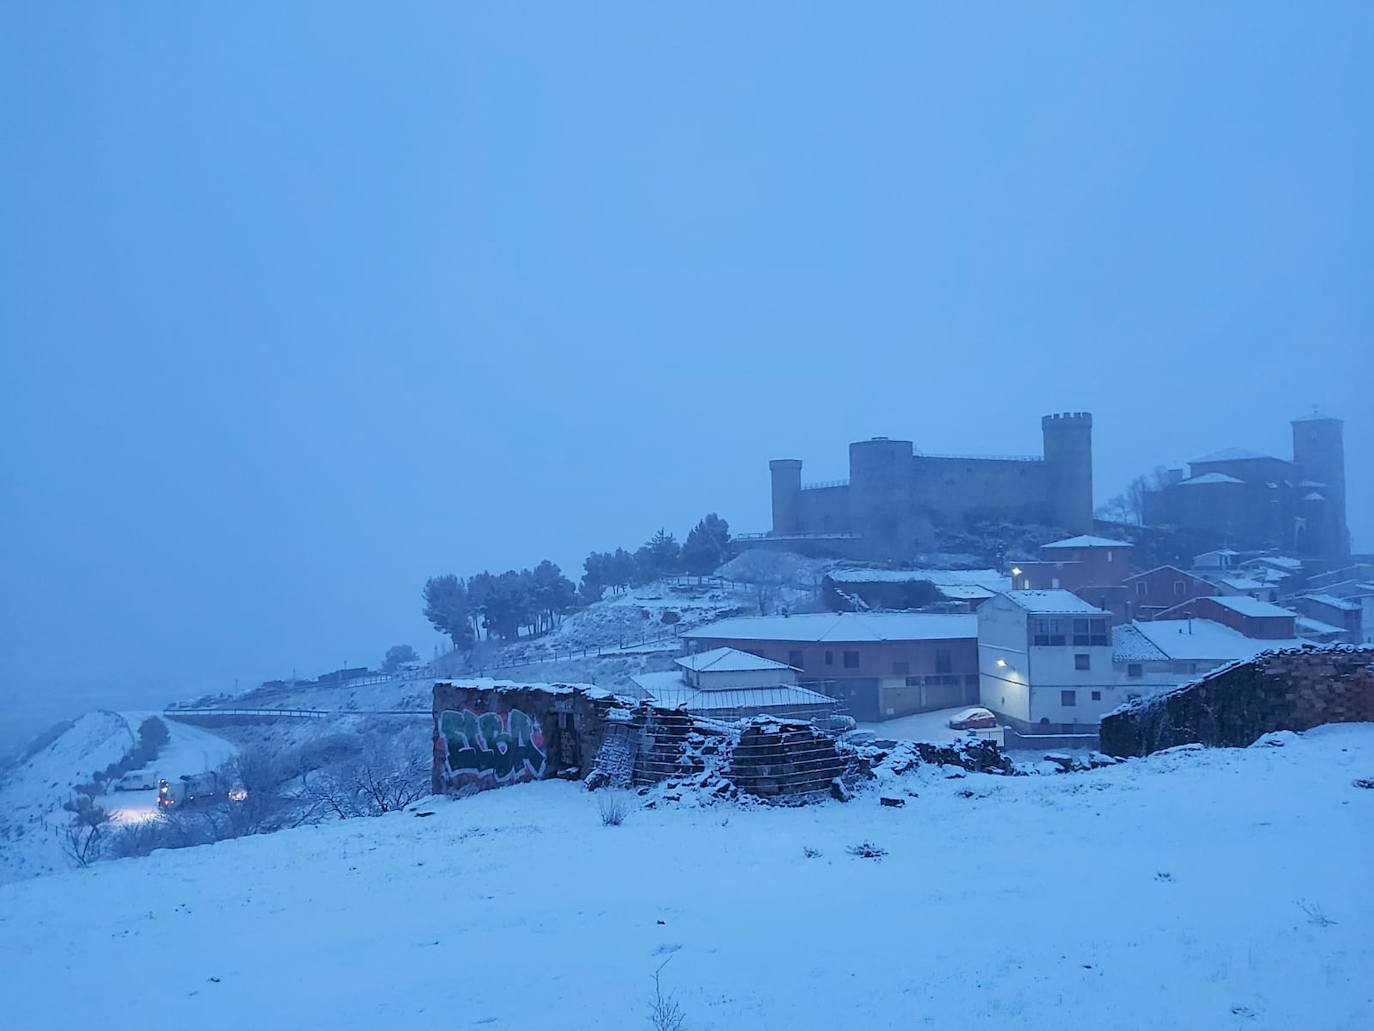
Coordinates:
[614,807]
[866,850]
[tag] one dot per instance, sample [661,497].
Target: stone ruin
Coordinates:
[491,734]
[1294,689]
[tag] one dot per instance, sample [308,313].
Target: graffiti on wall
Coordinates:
[505,747]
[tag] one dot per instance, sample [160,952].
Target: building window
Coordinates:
[1048,632]
[1097,632]
[913,681]
[1068,697]
[1082,661]
[1141,588]
[1054,582]
[943,661]
[830,658]
[1179,588]
[794,659]
[851,660]
[1135,669]
[1090,633]
[1097,696]
[901,669]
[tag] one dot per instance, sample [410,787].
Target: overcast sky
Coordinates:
[301,304]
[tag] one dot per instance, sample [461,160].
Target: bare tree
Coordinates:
[83,838]
[390,774]
[665,1014]
[768,574]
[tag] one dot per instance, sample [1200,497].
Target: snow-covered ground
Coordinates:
[1197,889]
[921,726]
[32,795]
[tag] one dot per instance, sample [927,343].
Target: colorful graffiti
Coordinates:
[506,748]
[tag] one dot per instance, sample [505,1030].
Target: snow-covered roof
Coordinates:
[989,578]
[1313,496]
[1310,627]
[1240,583]
[1276,562]
[1088,541]
[1052,601]
[1203,639]
[1343,604]
[1233,454]
[1206,478]
[669,691]
[817,627]
[728,660]
[1159,569]
[1130,645]
[1248,606]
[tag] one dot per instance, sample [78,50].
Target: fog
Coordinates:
[301,306]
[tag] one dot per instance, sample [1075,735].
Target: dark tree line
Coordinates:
[499,605]
[707,546]
[533,601]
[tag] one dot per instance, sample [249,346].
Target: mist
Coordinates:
[300,307]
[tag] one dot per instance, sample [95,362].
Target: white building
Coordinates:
[728,684]
[1045,661]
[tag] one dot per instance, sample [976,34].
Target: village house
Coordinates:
[1261,620]
[1152,655]
[728,684]
[1045,662]
[878,665]
[1151,592]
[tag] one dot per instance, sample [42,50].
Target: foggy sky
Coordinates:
[301,306]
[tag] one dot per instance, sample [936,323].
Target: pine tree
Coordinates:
[446,607]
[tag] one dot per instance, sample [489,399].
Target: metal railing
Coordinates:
[269,712]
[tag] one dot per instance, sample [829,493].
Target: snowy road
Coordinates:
[1195,890]
[189,750]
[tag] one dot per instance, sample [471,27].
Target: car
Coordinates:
[139,780]
[976,718]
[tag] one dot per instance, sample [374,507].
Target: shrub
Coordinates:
[613,806]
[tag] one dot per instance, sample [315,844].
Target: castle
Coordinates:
[895,496]
[1243,499]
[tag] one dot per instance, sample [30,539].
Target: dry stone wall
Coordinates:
[1297,689]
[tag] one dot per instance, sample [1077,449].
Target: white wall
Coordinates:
[1002,636]
[1052,671]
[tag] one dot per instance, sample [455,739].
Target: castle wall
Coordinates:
[822,510]
[952,489]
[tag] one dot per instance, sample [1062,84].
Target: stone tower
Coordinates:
[1069,469]
[786,474]
[880,501]
[1319,454]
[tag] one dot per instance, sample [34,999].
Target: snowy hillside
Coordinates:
[32,794]
[1198,889]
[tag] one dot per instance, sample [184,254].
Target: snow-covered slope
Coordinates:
[32,794]
[1196,889]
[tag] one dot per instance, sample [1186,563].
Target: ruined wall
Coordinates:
[490,734]
[1290,690]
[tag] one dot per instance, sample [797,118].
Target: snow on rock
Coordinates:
[1200,889]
